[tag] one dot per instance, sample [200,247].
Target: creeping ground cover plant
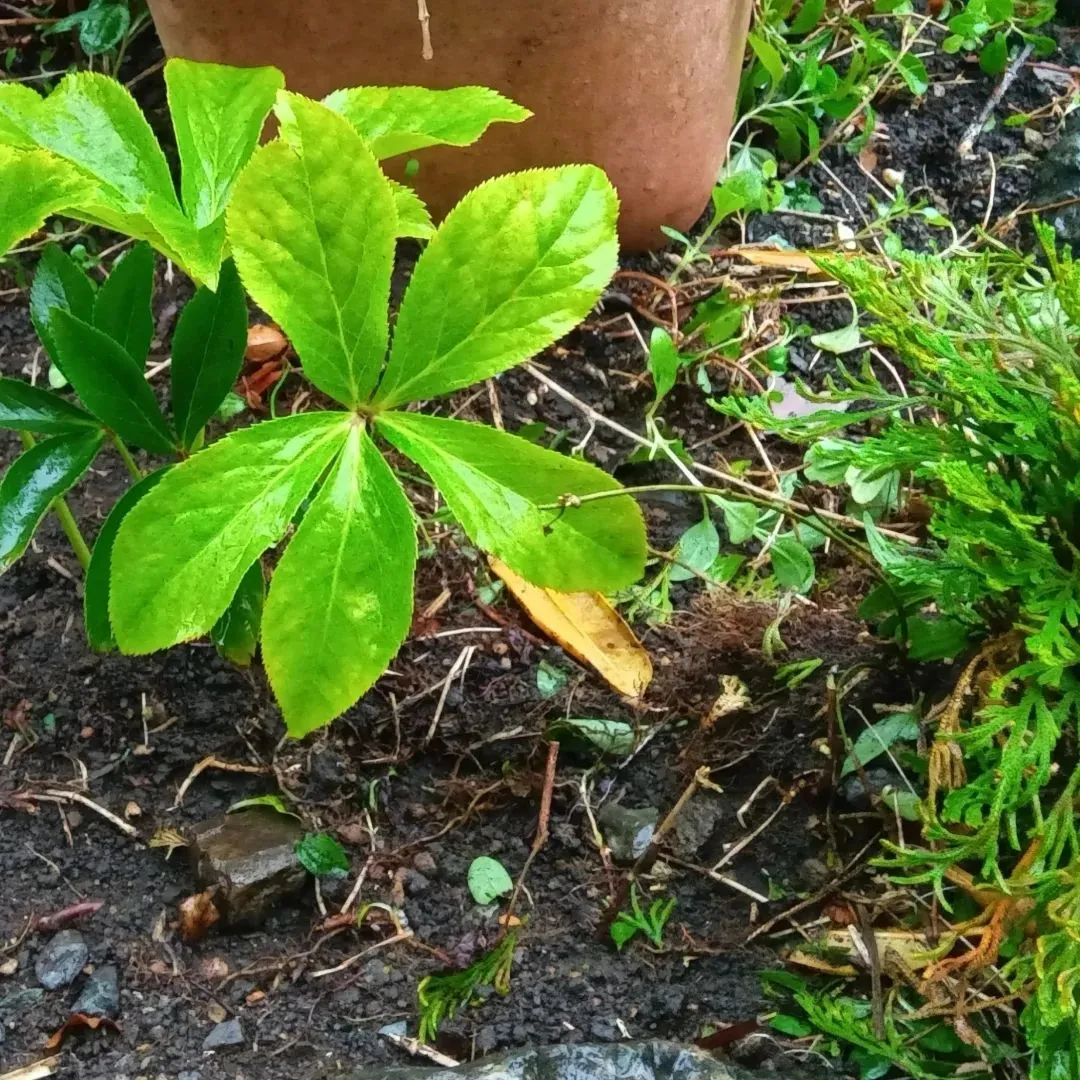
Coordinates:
[312,225]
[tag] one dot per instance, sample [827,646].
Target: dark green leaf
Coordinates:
[810,12]
[936,639]
[770,59]
[29,408]
[34,480]
[994,55]
[103,27]
[791,1025]
[664,362]
[59,283]
[697,550]
[123,308]
[610,736]
[322,856]
[740,518]
[236,634]
[550,679]
[207,353]
[99,573]
[792,564]
[879,738]
[110,383]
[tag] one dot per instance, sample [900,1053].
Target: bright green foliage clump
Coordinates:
[311,224]
[518,263]
[87,151]
[989,429]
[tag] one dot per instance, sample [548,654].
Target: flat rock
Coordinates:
[226,1034]
[1058,180]
[627,832]
[249,858]
[61,960]
[611,1061]
[101,994]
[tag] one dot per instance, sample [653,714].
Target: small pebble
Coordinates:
[100,995]
[229,1033]
[893,177]
[61,960]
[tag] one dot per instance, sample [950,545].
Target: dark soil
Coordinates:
[126,732]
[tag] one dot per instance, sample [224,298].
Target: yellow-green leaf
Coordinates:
[341,598]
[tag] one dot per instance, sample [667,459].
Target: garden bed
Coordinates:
[417,783]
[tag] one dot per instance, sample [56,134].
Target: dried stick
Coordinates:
[541,837]
[424,16]
[82,800]
[974,129]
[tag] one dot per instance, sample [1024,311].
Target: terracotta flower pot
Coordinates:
[643,88]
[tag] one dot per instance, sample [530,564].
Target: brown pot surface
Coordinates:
[643,88]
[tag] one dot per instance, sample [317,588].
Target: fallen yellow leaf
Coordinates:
[800,261]
[588,628]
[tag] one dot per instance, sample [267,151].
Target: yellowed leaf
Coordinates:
[588,628]
[819,963]
[801,262]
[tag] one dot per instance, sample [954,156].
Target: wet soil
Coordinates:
[415,801]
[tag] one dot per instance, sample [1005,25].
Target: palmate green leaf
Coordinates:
[519,262]
[312,226]
[34,480]
[236,634]
[399,119]
[33,185]
[495,484]
[207,353]
[59,283]
[123,308]
[110,383]
[29,408]
[218,114]
[99,573]
[341,598]
[183,550]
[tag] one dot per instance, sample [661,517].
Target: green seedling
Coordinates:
[651,923]
[322,856]
[86,151]
[488,880]
[440,996]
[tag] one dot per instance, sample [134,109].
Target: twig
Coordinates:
[424,16]
[541,837]
[460,666]
[66,916]
[751,837]
[213,763]
[38,1071]
[869,939]
[731,883]
[82,800]
[354,895]
[645,860]
[404,935]
[728,479]
[419,1049]
[974,129]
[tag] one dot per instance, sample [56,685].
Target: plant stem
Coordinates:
[64,516]
[127,459]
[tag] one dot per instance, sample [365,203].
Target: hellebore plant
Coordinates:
[312,226]
[311,223]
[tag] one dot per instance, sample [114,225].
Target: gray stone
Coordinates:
[189,1076]
[61,960]
[250,859]
[226,1034]
[695,824]
[1058,179]
[627,832]
[613,1061]
[100,995]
